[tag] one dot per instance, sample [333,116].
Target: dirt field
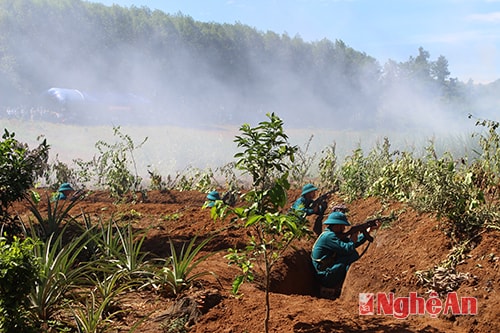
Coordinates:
[410,244]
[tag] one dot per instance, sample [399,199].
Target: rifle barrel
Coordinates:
[367,224]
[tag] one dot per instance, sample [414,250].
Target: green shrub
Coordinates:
[358,173]
[486,173]
[19,168]
[353,173]
[328,167]
[113,165]
[18,274]
[438,185]
[489,157]
[448,190]
[399,179]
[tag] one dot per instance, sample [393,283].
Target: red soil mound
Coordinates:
[411,243]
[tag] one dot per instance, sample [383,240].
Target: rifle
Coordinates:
[229,198]
[362,227]
[321,199]
[77,194]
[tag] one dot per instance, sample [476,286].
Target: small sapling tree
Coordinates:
[266,156]
[113,164]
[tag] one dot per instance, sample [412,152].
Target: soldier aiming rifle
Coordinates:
[66,191]
[308,205]
[229,198]
[335,250]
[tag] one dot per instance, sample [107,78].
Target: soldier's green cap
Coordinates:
[308,188]
[336,218]
[65,187]
[214,195]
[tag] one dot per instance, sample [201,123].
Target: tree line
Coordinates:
[230,72]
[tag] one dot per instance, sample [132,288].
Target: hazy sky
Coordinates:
[466,32]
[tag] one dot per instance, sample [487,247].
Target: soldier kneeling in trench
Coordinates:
[334,252]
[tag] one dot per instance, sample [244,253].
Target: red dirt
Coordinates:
[410,244]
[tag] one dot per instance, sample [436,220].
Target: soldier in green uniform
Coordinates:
[334,252]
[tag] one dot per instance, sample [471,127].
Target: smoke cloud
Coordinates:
[190,106]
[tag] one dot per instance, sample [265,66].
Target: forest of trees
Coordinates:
[211,72]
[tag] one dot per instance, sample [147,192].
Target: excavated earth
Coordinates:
[411,243]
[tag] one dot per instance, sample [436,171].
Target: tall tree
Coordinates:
[439,70]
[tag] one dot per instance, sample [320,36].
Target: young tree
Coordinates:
[113,164]
[266,157]
[439,70]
